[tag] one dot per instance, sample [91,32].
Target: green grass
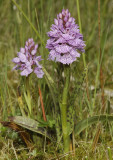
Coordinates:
[15,29]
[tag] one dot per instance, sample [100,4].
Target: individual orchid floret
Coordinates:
[27,61]
[65,39]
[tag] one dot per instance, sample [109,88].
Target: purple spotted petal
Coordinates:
[67,36]
[22,57]
[54,55]
[33,52]
[56,21]
[22,50]
[16,60]
[38,72]
[74,53]
[63,48]
[67,59]
[26,72]
[60,40]
[53,33]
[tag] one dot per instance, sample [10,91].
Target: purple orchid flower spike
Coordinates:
[27,61]
[65,39]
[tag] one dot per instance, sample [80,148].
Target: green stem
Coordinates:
[28,96]
[66,138]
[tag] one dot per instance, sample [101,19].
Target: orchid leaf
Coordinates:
[83,124]
[30,124]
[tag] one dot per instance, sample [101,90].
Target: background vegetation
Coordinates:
[14,31]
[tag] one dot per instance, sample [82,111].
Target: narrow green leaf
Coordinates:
[49,77]
[89,121]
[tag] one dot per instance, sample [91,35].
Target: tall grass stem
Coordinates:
[19,8]
[79,19]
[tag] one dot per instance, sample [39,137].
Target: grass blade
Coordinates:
[89,121]
[29,22]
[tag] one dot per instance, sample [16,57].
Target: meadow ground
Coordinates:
[91,83]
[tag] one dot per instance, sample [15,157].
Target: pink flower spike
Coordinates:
[27,61]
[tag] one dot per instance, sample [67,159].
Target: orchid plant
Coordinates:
[64,43]
[64,46]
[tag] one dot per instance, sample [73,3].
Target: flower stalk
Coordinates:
[28,96]
[63,108]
